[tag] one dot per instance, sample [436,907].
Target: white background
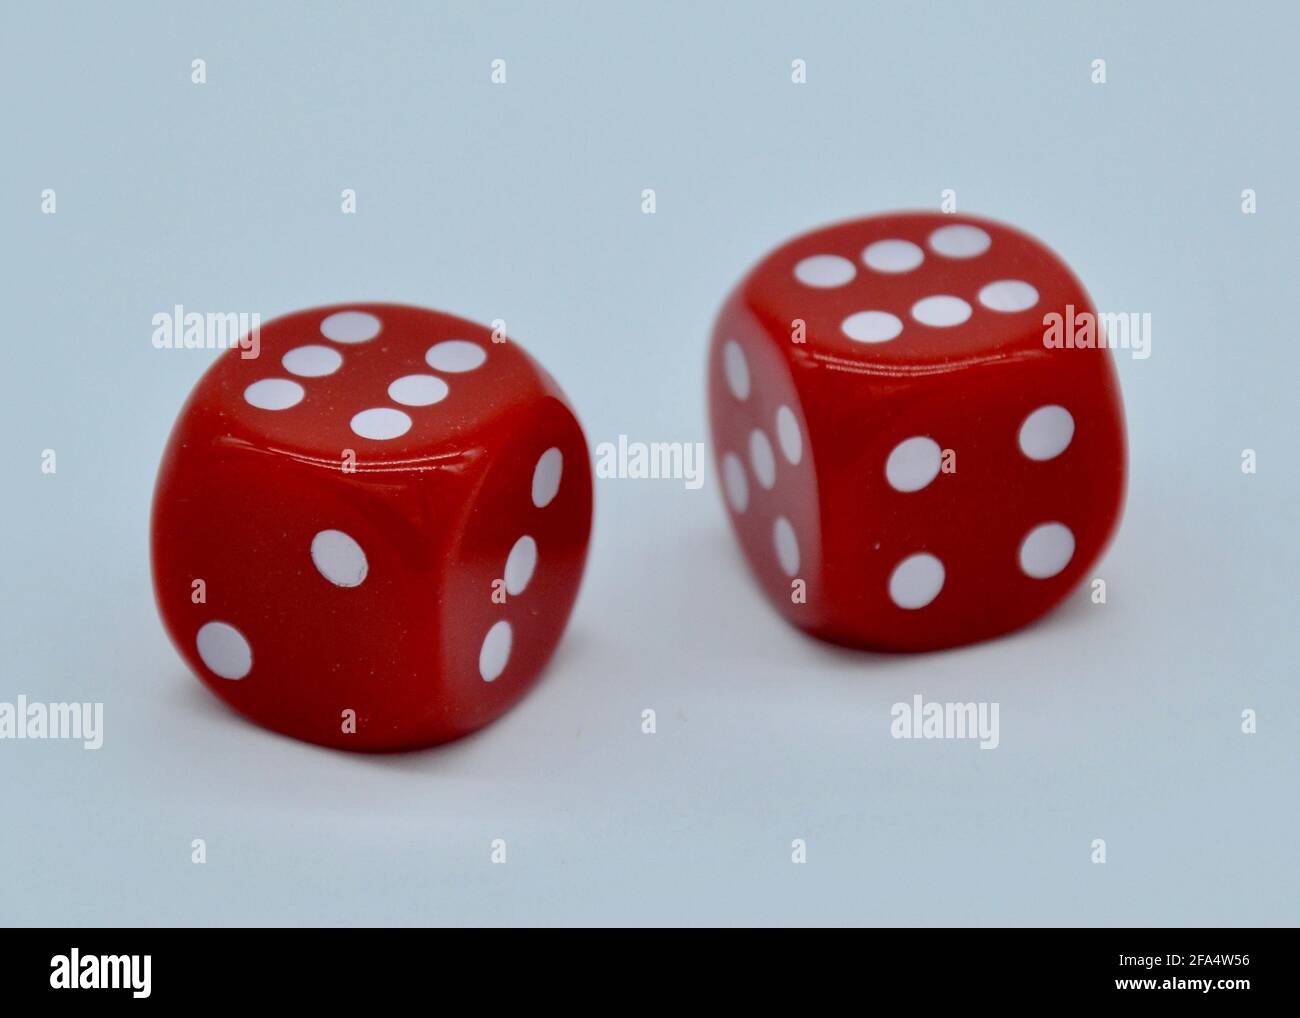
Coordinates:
[522,202]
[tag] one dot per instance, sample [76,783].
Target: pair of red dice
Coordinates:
[371,535]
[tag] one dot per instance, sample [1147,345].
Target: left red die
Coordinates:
[371,535]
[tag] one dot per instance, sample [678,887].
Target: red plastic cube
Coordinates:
[908,458]
[371,535]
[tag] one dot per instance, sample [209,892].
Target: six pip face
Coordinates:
[371,535]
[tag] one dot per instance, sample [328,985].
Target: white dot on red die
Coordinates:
[733,480]
[520,564]
[1046,433]
[1046,550]
[959,241]
[736,369]
[941,311]
[224,650]
[761,458]
[417,390]
[350,327]
[893,256]
[1008,295]
[546,477]
[455,355]
[871,326]
[916,581]
[788,435]
[787,546]
[274,394]
[339,558]
[313,361]
[824,271]
[381,423]
[913,464]
[495,652]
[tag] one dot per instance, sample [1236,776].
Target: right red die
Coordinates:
[911,456]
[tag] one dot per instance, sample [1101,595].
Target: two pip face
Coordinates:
[371,536]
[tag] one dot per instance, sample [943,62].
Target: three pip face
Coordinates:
[405,504]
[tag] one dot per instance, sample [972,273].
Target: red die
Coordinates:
[908,461]
[371,535]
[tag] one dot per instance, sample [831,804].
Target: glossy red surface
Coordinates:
[430,518]
[960,378]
